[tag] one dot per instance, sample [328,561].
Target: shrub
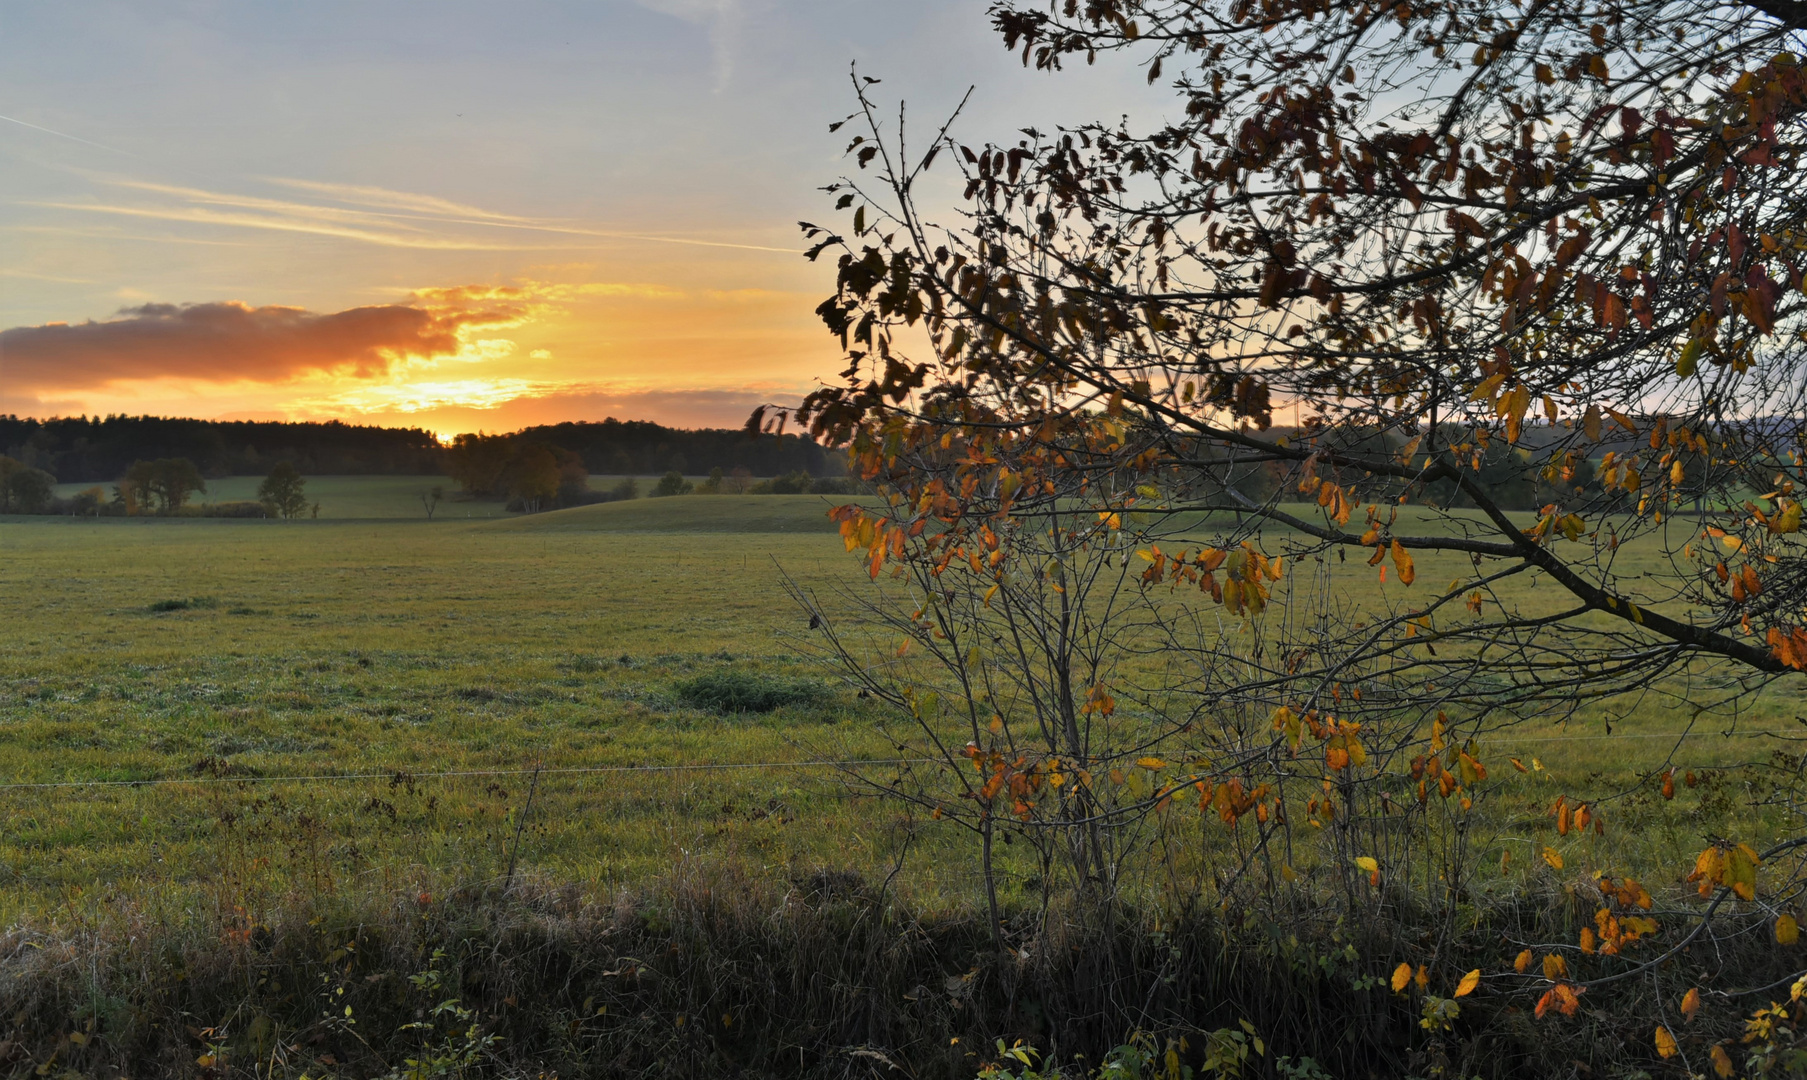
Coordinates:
[793,483]
[672,483]
[734,691]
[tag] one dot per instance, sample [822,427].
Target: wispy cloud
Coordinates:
[408,201]
[371,215]
[66,135]
[203,216]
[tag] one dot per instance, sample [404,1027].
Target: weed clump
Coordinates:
[191,603]
[735,691]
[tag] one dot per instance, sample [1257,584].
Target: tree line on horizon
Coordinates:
[153,465]
[101,449]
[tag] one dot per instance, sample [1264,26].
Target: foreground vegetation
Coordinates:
[775,919]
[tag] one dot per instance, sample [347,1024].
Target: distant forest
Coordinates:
[99,450]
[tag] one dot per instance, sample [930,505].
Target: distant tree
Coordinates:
[713,485]
[162,486]
[532,478]
[431,498]
[573,476]
[88,501]
[477,461]
[627,488]
[23,489]
[672,483]
[283,492]
[740,480]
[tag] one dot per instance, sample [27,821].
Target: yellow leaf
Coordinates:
[1403,561]
[1553,857]
[1665,1042]
[1722,1063]
[1788,931]
[1366,863]
[1468,983]
[1789,520]
[1522,963]
[1151,763]
[1690,1003]
[1401,975]
[1740,873]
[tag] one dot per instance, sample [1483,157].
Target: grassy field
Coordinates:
[224,653]
[371,497]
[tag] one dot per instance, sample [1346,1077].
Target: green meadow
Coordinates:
[368,497]
[251,667]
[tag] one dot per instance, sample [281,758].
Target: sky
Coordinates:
[457,216]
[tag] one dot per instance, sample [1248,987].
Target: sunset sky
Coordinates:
[455,215]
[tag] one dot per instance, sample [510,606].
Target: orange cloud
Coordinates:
[234,342]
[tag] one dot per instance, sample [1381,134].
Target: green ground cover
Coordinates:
[371,497]
[222,653]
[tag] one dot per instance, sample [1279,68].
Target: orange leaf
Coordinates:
[1690,1004]
[1665,1043]
[1401,975]
[1468,983]
[1403,561]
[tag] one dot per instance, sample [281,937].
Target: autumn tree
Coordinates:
[283,493]
[1401,310]
[1506,245]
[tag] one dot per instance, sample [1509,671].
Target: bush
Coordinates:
[745,691]
[794,483]
[672,483]
[628,488]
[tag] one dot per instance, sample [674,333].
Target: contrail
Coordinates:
[65,135]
